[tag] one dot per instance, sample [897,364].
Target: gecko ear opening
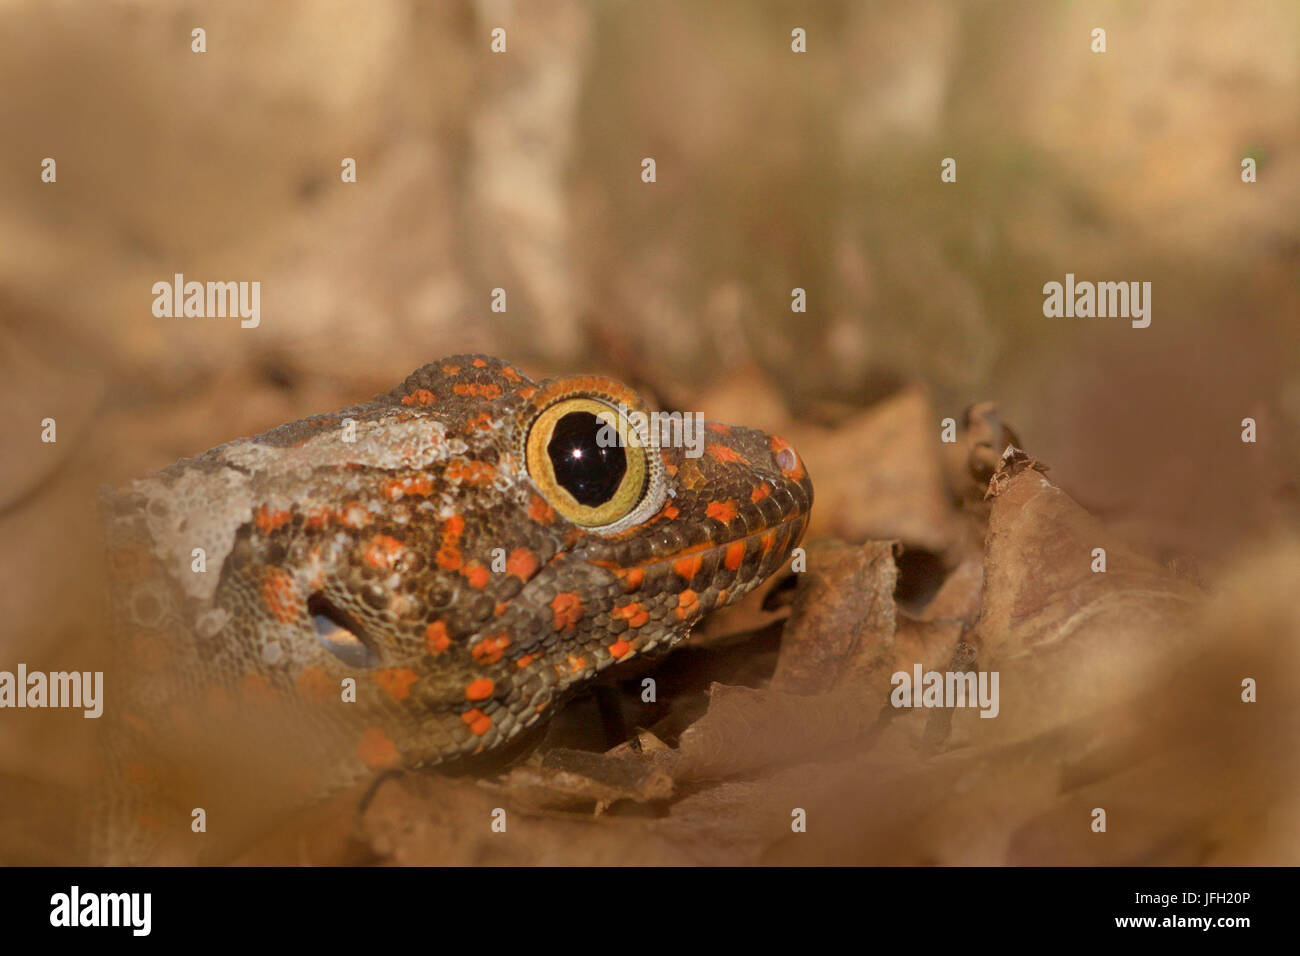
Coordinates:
[340,633]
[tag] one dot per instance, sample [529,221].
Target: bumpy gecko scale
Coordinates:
[422,577]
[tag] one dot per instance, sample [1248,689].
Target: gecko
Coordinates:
[414,580]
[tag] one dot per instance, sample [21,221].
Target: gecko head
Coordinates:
[489,544]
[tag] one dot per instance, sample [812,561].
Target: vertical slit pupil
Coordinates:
[583,468]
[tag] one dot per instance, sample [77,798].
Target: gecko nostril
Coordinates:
[786,458]
[340,633]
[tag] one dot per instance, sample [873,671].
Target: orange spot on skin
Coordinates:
[396,681]
[540,511]
[524,661]
[635,614]
[568,610]
[476,473]
[510,375]
[577,664]
[317,517]
[436,637]
[761,492]
[687,602]
[688,567]
[484,390]
[314,684]
[479,363]
[396,488]
[382,551]
[377,749]
[451,370]
[720,427]
[420,397]
[766,540]
[528,391]
[735,555]
[722,598]
[477,575]
[448,557]
[670,512]
[619,648]
[490,649]
[279,597]
[479,689]
[268,520]
[671,469]
[522,563]
[632,578]
[479,423]
[727,455]
[722,511]
[479,722]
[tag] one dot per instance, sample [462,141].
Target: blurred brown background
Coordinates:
[775,170]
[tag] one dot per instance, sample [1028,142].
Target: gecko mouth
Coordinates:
[774,539]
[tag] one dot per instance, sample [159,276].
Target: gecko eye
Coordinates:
[593,466]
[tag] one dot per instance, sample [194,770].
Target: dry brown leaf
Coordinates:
[879,476]
[746,730]
[570,779]
[1065,638]
[844,605]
